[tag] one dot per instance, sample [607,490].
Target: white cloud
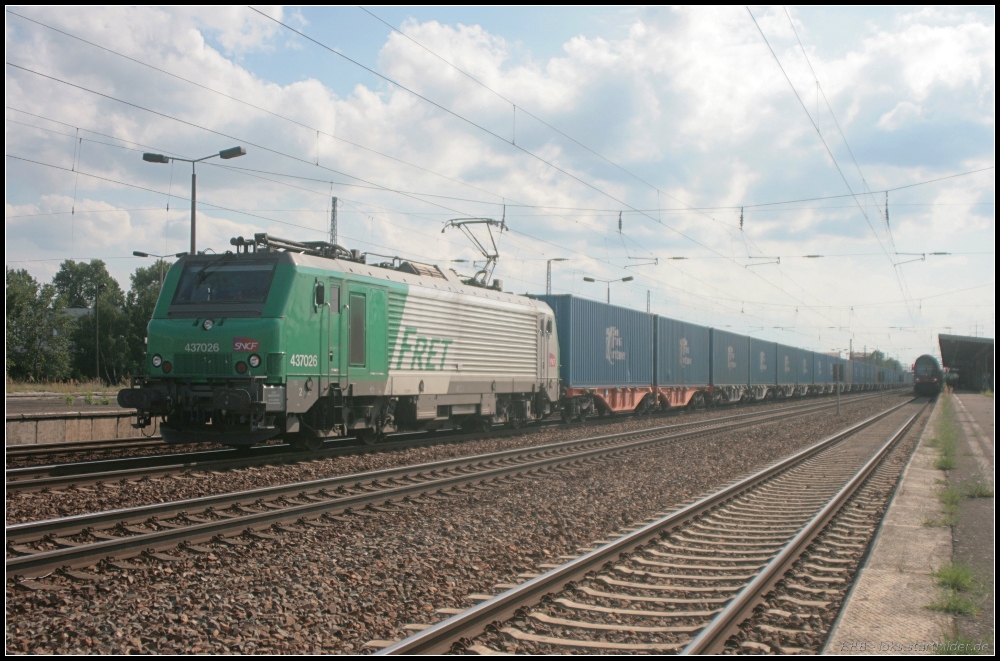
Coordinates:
[904,113]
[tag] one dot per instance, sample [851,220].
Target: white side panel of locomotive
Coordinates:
[455,343]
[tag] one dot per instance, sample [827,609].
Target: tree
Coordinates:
[881,360]
[108,334]
[139,304]
[89,285]
[38,330]
[78,283]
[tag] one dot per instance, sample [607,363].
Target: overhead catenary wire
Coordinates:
[311,128]
[843,136]
[515,205]
[230,209]
[833,158]
[314,229]
[360,240]
[284,154]
[612,210]
[520,148]
[274,114]
[514,105]
[223,208]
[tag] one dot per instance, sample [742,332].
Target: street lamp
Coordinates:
[138,253]
[225,154]
[627,278]
[548,273]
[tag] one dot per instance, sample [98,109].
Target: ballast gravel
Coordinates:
[331,589]
[33,506]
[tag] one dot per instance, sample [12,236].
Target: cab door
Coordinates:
[364,338]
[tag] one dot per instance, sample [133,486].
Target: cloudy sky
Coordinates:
[730,144]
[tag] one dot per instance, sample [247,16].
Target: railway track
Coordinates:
[62,475]
[37,548]
[76,447]
[684,583]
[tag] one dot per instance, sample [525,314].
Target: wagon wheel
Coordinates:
[308,440]
[369,436]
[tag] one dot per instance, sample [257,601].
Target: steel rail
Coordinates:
[562,452]
[52,526]
[115,444]
[439,638]
[129,468]
[70,447]
[712,639]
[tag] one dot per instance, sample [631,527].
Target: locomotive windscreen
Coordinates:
[204,283]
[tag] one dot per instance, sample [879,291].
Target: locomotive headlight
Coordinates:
[207,325]
[241,367]
[254,360]
[157,360]
[167,367]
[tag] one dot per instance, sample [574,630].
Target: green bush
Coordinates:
[955,576]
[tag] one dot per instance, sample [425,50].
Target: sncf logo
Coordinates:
[245,344]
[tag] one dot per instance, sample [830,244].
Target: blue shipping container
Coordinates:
[681,353]
[730,359]
[602,345]
[822,373]
[762,362]
[786,365]
[807,368]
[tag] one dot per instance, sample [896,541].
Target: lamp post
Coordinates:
[97,332]
[138,253]
[627,278]
[225,154]
[548,273]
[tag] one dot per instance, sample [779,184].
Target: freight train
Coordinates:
[927,376]
[307,340]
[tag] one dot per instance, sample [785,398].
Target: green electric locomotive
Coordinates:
[307,340]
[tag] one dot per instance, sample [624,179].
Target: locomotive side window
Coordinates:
[358,316]
[334,299]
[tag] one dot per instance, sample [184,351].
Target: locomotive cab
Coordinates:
[213,360]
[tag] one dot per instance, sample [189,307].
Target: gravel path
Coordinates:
[331,589]
[24,506]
